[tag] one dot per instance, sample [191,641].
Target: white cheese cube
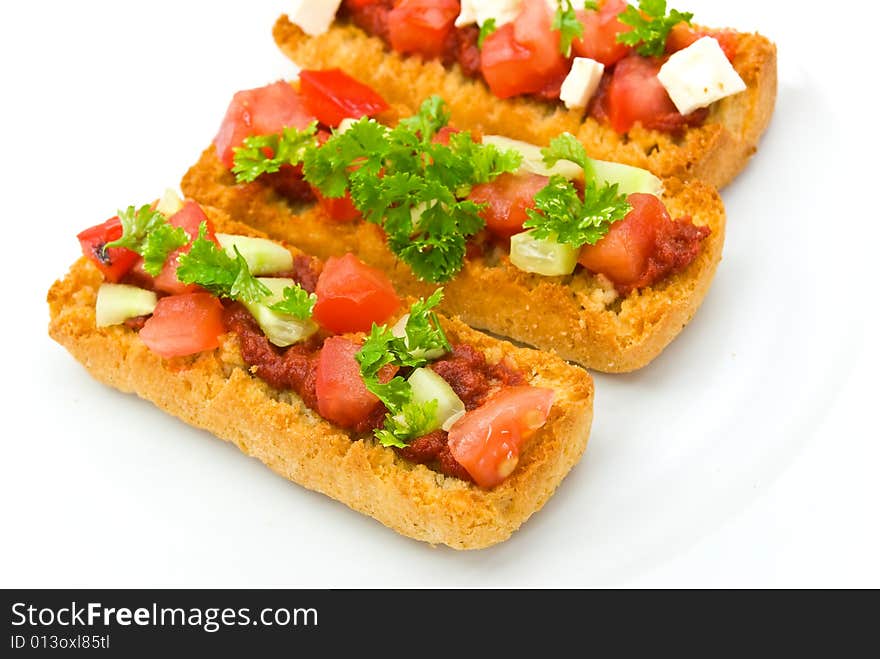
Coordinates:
[582,82]
[480,11]
[314,16]
[699,75]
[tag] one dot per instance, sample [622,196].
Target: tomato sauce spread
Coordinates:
[288,182]
[433,449]
[472,378]
[677,245]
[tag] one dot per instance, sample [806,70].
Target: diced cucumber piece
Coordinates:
[170,203]
[281,329]
[345,125]
[533,159]
[629,179]
[117,303]
[427,386]
[264,257]
[399,330]
[542,257]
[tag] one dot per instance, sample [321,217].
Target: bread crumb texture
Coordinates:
[215,391]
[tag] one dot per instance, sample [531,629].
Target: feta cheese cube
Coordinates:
[314,16]
[582,82]
[699,75]
[480,11]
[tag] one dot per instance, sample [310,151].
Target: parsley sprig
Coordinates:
[486,30]
[560,214]
[566,22]
[212,268]
[411,186]
[267,154]
[148,232]
[405,420]
[651,26]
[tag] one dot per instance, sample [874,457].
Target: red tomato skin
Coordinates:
[332,95]
[683,35]
[184,325]
[115,262]
[343,397]
[601,28]
[489,438]
[523,57]
[338,209]
[352,296]
[623,255]
[189,218]
[508,198]
[422,26]
[635,94]
[262,111]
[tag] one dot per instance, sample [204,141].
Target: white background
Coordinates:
[747,455]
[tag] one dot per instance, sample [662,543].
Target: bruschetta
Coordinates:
[600,262]
[642,86]
[322,372]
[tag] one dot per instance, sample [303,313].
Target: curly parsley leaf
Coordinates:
[560,215]
[296,302]
[405,420]
[267,154]
[651,26]
[413,421]
[486,29]
[147,232]
[566,22]
[412,186]
[567,147]
[212,268]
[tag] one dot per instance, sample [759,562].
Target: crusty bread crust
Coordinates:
[578,316]
[714,152]
[215,391]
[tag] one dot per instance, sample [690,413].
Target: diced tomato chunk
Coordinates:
[422,26]
[645,246]
[487,441]
[599,41]
[114,262]
[332,95]
[508,198]
[352,296]
[523,57]
[338,209]
[343,397]
[635,94]
[683,35]
[263,111]
[184,325]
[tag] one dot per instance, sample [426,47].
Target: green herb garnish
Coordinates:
[148,232]
[651,26]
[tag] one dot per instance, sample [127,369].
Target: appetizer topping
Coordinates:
[699,75]
[383,383]
[314,16]
[334,96]
[352,296]
[546,257]
[117,303]
[113,262]
[488,441]
[582,82]
[651,26]
[183,325]
[267,154]
[525,47]
[148,233]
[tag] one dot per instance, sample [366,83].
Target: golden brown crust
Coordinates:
[715,152]
[573,316]
[214,391]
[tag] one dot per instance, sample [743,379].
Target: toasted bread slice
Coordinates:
[580,316]
[217,392]
[715,152]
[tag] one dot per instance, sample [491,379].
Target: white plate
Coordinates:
[102,489]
